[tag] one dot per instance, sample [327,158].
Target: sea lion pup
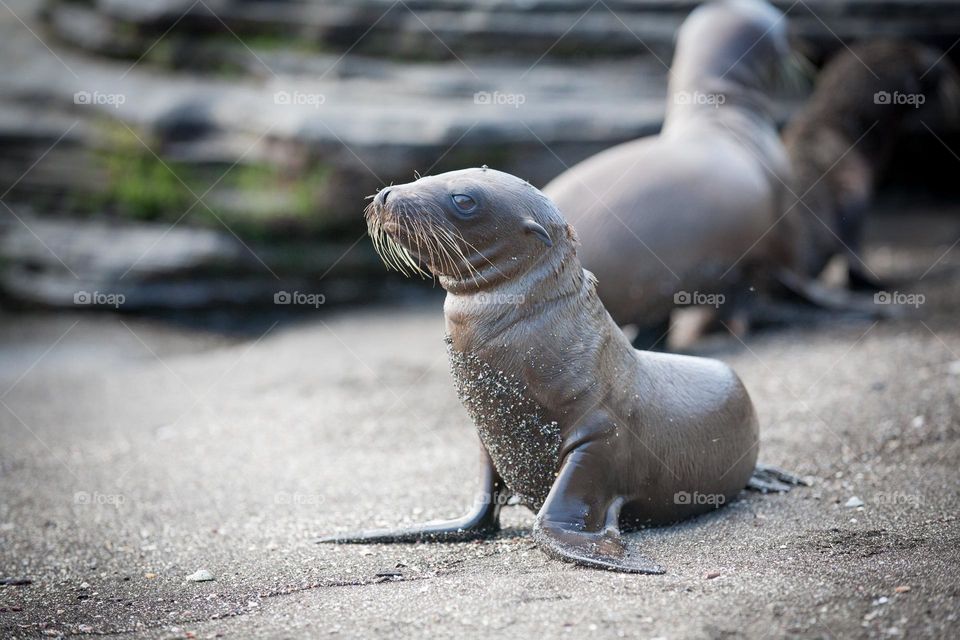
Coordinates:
[581,428]
[688,211]
[842,138]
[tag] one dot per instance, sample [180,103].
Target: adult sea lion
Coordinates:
[684,215]
[589,433]
[842,138]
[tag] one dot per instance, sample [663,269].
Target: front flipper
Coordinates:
[482,521]
[766,478]
[579,521]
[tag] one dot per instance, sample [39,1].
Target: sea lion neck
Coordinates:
[708,96]
[478,312]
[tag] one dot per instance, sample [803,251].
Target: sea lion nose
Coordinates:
[382,196]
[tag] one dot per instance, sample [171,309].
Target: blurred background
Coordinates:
[185,157]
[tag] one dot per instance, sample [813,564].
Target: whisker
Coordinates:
[437,243]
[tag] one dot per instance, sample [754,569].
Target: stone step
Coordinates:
[133,267]
[362,124]
[462,28]
[354,123]
[290,135]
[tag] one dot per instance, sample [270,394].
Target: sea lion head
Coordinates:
[476,226]
[732,43]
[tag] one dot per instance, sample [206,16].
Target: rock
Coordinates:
[711,575]
[902,588]
[853,502]
[201,575]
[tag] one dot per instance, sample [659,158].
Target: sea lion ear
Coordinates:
[532,226]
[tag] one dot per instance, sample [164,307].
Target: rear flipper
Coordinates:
[483,520]
[816,294]
[767,478]
[689,326]
[859,279]
[693,324]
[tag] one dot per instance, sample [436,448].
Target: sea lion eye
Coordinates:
[464,202]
